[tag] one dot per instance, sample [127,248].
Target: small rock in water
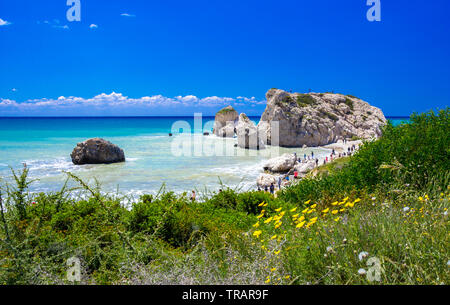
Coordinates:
[97,151]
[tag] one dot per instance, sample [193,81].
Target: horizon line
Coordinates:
[146,116]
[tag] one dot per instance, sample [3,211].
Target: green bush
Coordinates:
[304,100]
[228,199]
[249,202]
[412,154]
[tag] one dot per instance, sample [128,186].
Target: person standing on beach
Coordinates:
[295,156]
[272,188]
[266,188]
[279,183]
[312,154]
[193,196]
[317,162]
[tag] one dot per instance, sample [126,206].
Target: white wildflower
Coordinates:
[363,255]
[329,249]
[362,271]
[405,209]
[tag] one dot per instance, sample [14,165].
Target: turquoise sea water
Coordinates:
[45,144]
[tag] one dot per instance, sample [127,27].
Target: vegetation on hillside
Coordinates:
[380,217]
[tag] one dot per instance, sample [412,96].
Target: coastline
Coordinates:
[147,149]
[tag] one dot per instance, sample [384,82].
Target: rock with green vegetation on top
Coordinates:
[225,122]
[316,119]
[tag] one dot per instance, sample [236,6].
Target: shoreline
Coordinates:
[339,148]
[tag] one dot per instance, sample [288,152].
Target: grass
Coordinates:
[330,167]
[377,217]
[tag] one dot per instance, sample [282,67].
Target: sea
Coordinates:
[187,160]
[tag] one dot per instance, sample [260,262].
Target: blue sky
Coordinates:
[174,57]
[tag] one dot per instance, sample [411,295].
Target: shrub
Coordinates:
[249,201]
[304,100]
[349,103]
[227,199]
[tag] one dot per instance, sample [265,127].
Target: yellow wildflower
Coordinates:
[305,210]
[310,224]
[273,269]
[337,218]
[273,237]
[314,206]
[295,216]
[307,202]
[268,220]
[301,224]
[277,210]
[335,203]
[256,225]
[293,210]
[326,210]
[261,204]
[334,212]
[278,225]
[268,280]
[277,252]
[313,219]
[357,200]
[287,277]
[257,233]
[345,199]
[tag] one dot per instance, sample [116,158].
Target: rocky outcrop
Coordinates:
[266,180]
[247,134]
[317,119]
[97,151]
[281,164]
[304,168]
[225,122]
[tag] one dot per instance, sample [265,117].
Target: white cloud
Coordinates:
[118,104]
[64,27]
[4,22]
[93,26]
[14,90]
[127,15]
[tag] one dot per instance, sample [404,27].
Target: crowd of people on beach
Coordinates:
[286,179]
